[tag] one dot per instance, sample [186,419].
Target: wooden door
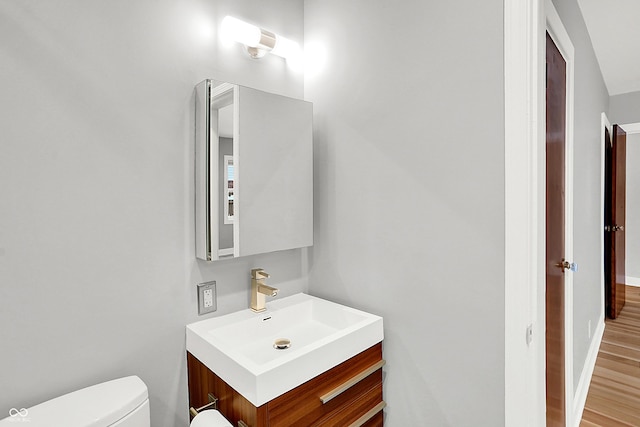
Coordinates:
[555,233]
[615,207]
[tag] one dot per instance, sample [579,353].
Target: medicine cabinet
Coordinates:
[254,171]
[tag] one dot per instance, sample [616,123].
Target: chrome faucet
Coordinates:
[259,290]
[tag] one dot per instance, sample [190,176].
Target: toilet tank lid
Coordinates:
[99,405]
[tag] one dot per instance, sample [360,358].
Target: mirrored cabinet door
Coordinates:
[254,171]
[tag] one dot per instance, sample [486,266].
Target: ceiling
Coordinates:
[615,34]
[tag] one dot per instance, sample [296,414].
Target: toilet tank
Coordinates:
[118,403]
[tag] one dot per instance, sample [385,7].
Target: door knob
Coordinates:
[566,265]
[617,228]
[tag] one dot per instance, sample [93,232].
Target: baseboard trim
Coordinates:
[632,281]
[587,372]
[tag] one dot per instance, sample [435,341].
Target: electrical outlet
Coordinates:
[207,298]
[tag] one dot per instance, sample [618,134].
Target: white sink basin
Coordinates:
[239,347]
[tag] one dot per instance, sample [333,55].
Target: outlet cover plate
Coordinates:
[207,298]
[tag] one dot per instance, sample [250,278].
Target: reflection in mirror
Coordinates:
[222,113]
[254,171]
[227,198]
[225,133]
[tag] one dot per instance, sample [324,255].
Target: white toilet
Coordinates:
[123,403]
[119,403]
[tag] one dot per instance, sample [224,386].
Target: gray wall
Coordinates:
[625,108]
[409,195]
[632,227]
[591,99]
[97,263]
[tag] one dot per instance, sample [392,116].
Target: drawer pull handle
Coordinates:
[370,414]
[351,382]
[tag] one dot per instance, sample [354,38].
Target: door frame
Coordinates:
[525,27]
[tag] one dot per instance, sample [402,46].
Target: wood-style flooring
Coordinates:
[614,393]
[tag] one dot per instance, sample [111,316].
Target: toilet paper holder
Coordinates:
[213,404]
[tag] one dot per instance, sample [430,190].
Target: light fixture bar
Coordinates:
[257,40]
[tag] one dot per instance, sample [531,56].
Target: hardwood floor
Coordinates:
[614,393]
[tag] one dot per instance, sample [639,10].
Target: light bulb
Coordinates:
[240,31]
[286,48]
[259,41]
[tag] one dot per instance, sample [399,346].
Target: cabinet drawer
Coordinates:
[355,410]
[376,421]
[303,405]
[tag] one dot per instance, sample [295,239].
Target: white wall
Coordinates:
[591,99]
[97,263]
[409,195]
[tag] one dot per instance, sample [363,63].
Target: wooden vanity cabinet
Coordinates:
[358,403]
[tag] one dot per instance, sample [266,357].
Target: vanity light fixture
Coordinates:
[257,40]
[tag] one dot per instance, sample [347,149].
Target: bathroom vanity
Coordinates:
[329,372]
[355,383]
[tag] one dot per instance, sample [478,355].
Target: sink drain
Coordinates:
[282,344]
